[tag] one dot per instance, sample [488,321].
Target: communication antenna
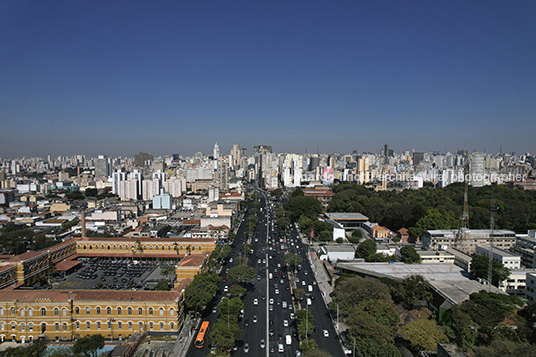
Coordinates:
[493,208]
[464,218]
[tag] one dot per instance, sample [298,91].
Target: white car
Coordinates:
[225,289]
[277,291]
[271,301]
[325,333]
[255,302]
[303,282]
[285,323]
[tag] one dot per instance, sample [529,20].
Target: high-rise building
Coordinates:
[143,159]
[236,155]
[222,174]
[418,157]
[101,167]
[477,169]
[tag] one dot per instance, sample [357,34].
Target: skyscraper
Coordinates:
[101,167]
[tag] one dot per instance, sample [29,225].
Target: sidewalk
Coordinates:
[188,335]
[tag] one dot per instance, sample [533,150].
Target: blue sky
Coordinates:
[119,77]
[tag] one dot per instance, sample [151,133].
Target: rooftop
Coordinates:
[346,216]
[451,281]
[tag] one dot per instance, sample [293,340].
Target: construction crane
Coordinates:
[464,218]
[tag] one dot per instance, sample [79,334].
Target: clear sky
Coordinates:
[120,77]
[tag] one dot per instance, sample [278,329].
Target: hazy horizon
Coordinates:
[121,77]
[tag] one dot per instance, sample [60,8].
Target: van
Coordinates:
[310,288]
[284,305]
[288,339]
[309,302]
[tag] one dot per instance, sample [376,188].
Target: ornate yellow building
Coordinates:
[67,315]
[59,315]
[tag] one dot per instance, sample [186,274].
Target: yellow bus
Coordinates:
[200,339]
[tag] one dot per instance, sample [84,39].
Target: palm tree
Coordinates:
[176,247]
[140,248]
[189,249]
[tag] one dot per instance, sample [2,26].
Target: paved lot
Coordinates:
[98,274]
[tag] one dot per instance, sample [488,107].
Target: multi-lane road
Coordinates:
[268,302]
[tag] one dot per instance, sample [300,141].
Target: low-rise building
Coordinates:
[467,240]
[525,247]
[509,260]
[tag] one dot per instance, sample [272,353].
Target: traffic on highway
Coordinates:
[269,319]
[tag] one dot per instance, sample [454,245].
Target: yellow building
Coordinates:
[190,266]
[67,315]
[151,248]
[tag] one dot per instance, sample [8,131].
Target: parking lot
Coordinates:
[113,274]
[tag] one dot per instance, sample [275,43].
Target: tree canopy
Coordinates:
[423,335]
[409,255]
[201,290]
[365,249]
[410,290]
[353,291]
[480,267]
[88,345]
[242,273]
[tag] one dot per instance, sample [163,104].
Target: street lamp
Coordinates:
[111,320]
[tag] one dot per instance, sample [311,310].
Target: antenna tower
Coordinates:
[464,218]
[493,208]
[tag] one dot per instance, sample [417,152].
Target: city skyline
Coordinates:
[116,79]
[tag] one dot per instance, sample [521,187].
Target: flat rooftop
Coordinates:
[346,216]
[451,281]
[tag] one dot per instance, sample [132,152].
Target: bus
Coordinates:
[200,339]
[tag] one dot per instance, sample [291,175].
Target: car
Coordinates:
[325,333]
[214,309]
[225,289]
[292,316]
[277,291]
[305,272]
[276,286]
[246,322]
[281,348]
[213,349]
[263,344]
[230,260]
[263,296]
[258,277]
[315,329]
[224,280]
[271,332]
[303,282]
[298,353]
[258,261]
[271,307]
[271,301]
[285,323]
[272,349]
[278,302]
[254,319]
[280,335]
[271,321]
[246,347]
[255,302]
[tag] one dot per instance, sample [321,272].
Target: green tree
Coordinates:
[232,306]
[303,206]
[316,353]
[201,290]
[409,255]
[363,324]
[91,192]
[410,290]
[236,290]
[463,328]
[383,311]
[433,220]
[162,285]
[371,348]
[480,266]
[297,193]
[353,291]
[36,348]
[423,335]
[242,273]
[89,345]
[308,346]
[292,259]
[224,336]
[502,348]
[365,248]
[306,322]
